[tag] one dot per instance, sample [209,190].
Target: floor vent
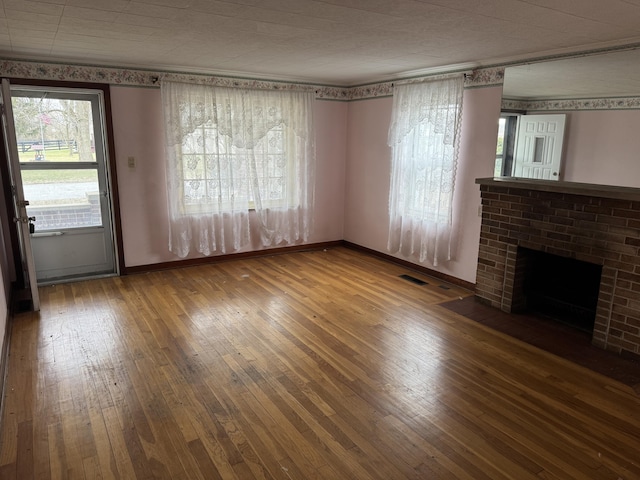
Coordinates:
[415,280]
[444,287]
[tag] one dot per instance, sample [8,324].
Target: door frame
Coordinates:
[111,172]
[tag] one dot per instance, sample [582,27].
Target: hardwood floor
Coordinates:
[311,365]
[553,336]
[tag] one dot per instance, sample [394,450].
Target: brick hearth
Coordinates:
[592,223]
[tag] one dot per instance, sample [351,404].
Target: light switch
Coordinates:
[132,162]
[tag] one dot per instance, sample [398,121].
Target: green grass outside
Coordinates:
[30,177]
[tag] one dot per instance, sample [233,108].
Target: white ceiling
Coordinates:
[333,42]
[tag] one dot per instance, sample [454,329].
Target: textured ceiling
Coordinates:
[334,42]
[614,74]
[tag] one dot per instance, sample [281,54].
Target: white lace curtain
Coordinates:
[229,151]
[423,137]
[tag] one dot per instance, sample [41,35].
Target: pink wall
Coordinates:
[368,168]
[603,147]
[331,149]
[138,132]
[352,173]
[481,111]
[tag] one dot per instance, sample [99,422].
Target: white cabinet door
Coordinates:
[538,152]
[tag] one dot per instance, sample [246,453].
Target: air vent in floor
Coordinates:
[415,280]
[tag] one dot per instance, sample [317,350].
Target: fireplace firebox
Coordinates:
[563,289]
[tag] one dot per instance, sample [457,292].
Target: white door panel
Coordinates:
[538,152]
[21,217]
[71,254]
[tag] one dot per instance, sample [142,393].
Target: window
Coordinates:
[430,167]
[61,175]
[505,145]
[213,169]
[423,136]
[233,150]
[500,148]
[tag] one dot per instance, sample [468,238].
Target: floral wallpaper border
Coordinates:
[611,103]
[479,78]
[76,73]
[148,78]
[514,104]
[484,77]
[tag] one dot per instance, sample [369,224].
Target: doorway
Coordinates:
[530,146]
[61,145]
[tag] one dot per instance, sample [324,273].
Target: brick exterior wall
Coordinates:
[573,222]
[52,217]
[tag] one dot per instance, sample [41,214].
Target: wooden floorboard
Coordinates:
[309,365]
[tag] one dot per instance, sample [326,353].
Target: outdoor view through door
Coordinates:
[61,148]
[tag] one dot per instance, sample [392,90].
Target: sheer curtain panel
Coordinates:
[229,151]
[423,137]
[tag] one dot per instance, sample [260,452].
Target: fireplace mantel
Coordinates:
[598,224]
[573,188]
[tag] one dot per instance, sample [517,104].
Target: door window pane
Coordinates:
[53,129]
[62,198]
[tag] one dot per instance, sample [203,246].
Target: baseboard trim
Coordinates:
[225,258]
[418,268]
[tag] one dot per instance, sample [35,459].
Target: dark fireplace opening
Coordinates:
[564,289]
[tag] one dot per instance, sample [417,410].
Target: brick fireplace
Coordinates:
[596,224]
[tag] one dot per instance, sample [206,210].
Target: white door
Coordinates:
[538,152]
[61,144]
[20,215]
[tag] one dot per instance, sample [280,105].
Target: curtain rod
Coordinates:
[467,74]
